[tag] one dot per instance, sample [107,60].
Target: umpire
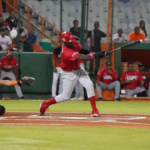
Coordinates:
[2,110]
[95,46]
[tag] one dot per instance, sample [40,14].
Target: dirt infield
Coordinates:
[75,119]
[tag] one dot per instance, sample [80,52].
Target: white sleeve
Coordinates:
[114,37]
[125,38]
[9,40]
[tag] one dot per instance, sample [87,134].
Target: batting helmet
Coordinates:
[67,37]
[2,110]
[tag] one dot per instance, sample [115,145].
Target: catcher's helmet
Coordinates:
[2,110]
[67,37]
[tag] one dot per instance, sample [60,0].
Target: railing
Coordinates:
[13,6]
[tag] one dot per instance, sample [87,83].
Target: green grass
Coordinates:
[73,138]
[80,106]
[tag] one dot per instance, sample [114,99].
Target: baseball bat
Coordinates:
[126,45]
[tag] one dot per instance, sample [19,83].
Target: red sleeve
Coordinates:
[77,46]
[114,76]
[99,75]
[72,55]
[122,78]
[140,77]
[53,56]
[1,62]
[148,73]
[15,63]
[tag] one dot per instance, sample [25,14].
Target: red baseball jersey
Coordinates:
[68,58]
[146,83]
[106,77]
[134,76]
[8,65]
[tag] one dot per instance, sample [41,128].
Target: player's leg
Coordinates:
[79,91]
[148,92]
[115,85]
[69,82]
[86,82]
[55,81]
[60,82]
[11,76]
[80,87]
[129,92]
[140,92]
[99,89]
[3,74]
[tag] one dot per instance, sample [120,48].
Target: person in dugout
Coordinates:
[107,80]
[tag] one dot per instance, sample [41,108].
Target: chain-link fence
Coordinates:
[89,20]
[49,17]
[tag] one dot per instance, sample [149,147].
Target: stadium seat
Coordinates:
[37,48]
[119,4]
[132,25]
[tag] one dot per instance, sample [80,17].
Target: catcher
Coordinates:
[25,80]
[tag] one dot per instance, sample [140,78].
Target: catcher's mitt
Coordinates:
[2,110]
[28,80]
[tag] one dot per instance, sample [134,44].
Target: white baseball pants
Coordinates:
[79,91]
[70,79]
[57,76]
[11,76]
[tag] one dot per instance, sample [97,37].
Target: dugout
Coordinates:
[140,53]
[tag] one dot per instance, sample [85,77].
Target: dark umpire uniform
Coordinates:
[95,43]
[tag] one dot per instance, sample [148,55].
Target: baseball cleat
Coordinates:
[95,113]
[43,107]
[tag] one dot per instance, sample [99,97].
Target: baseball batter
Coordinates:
[7,64]
[56,60]
[72,73]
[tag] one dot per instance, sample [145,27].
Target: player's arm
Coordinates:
[100,74]
[141,80]
[103,34]
[147,77]
[9,43]
[92,56]
[9,46]
[25,80]
[123,81]
[10,83]
[84,51]
[114,76]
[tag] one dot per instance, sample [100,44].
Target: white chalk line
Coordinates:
[73,119]
[36,124]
